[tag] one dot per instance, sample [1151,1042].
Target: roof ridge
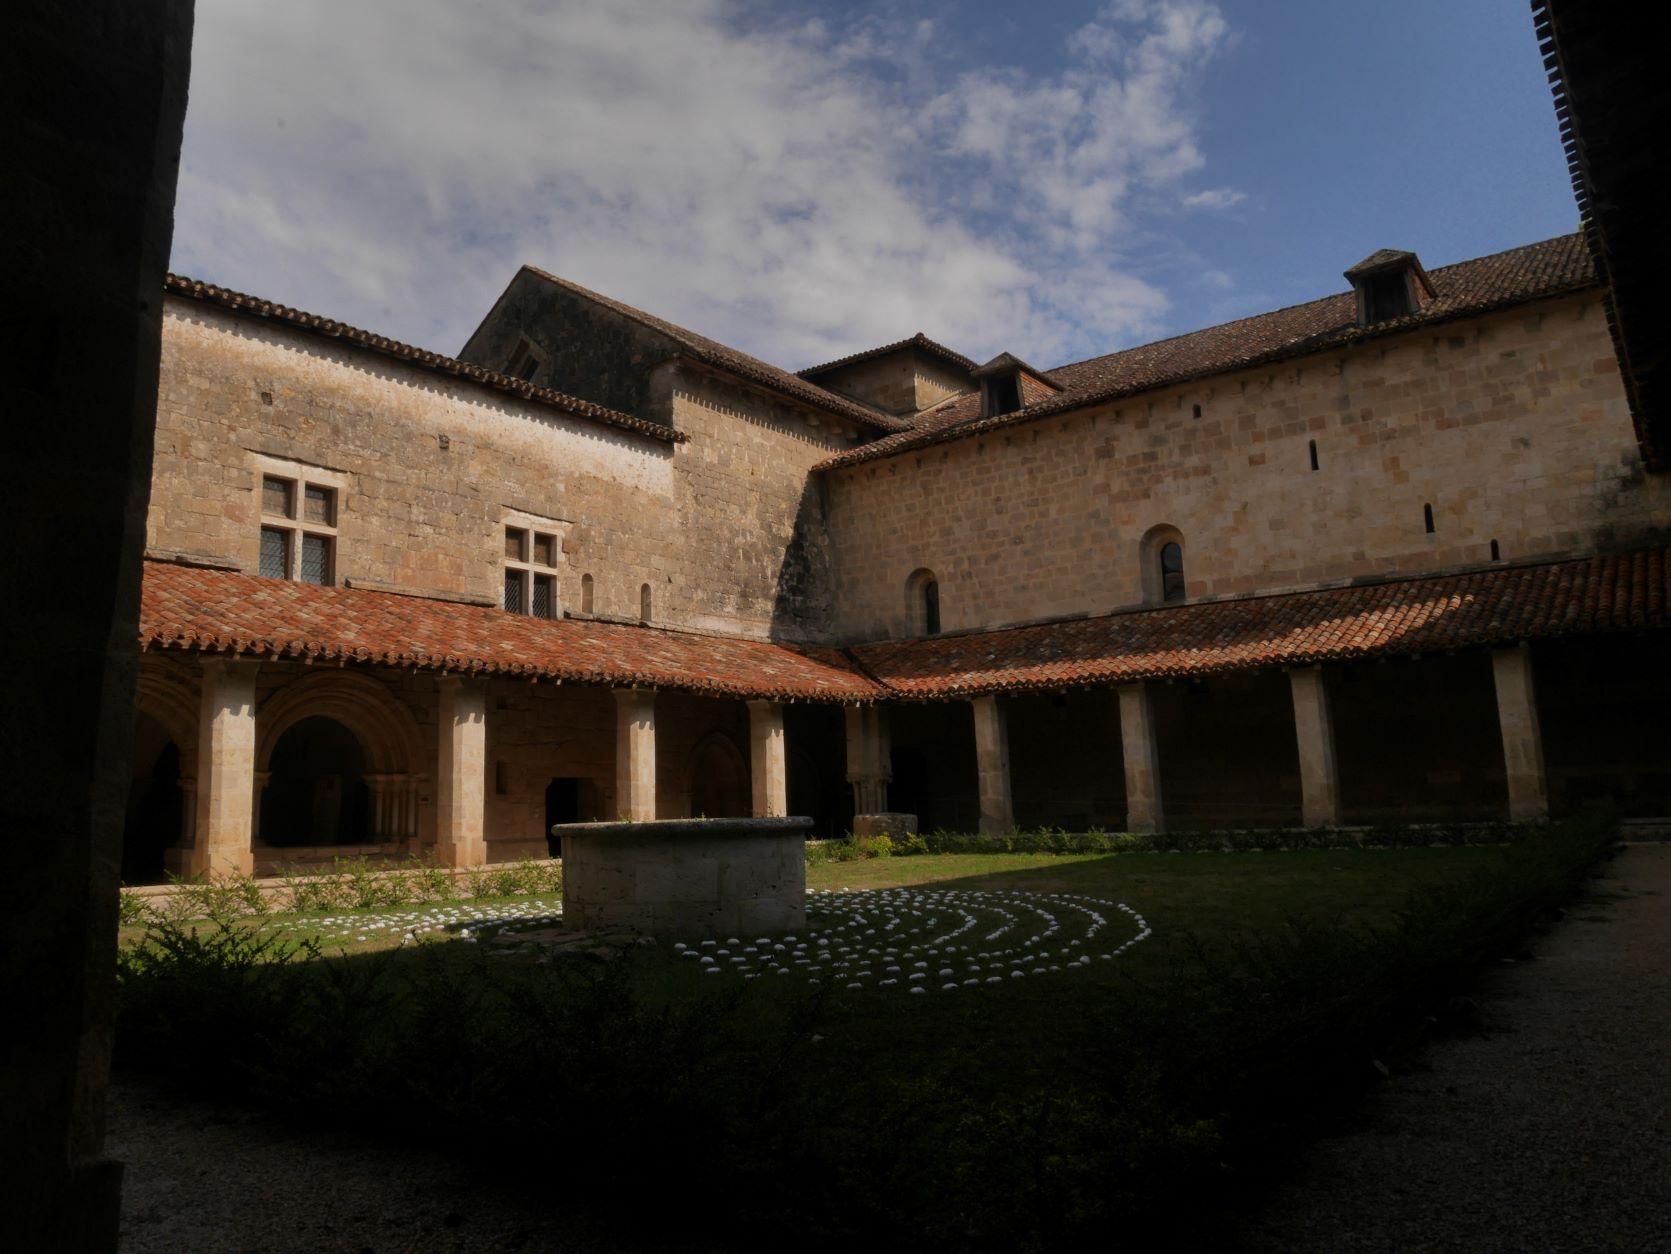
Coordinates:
[919,340]
[319,324]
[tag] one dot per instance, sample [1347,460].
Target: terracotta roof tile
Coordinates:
[223,611]
[1625,592]
[1533,272]
[734,361]
[254,306]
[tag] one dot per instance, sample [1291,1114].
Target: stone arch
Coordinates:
[174,706]
[922,602]
[719,779]
[386,730]
[1154,561]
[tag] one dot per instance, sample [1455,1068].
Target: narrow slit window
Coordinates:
[1197,410]
[1171,571]
[644,603]
[1314,454]
[502,777]
[931,607]
[1427,518]
[1496,552]
[586,595]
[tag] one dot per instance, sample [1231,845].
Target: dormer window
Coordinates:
[524,363]
[1009,384]
[1003,394]
[1390,283]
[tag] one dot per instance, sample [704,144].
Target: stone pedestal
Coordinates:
[768,766]
[635,754]
[1314,731]
[992,766]
[1142,760]
[686,879]
[1517,714]
[461,776]
[224,837]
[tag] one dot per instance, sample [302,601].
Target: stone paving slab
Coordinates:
[1550,1131]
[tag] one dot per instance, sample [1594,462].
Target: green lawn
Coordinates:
[1124,1098]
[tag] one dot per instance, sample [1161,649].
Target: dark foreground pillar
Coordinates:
[93,95]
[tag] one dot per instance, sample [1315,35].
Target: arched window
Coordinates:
[1161,554]
[922,602]
[644,603]
[1171,571]
[586,594]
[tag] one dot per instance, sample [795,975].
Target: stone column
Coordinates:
[461,778]
[635,754]
[992,764]
[1314,729]
[768,765]
[1137,744]
[223,838]
[869,758]
[1517,714]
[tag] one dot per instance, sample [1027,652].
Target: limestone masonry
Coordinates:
[797,586]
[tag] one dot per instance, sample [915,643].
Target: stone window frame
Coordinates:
[301,476]
[922,603]
[533,528]
[1151,556]
[526,360]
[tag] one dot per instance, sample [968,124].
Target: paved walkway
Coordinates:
[1549,1132]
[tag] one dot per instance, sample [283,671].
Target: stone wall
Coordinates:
[722,528]
[1512,427]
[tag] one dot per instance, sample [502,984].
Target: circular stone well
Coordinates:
[686,878]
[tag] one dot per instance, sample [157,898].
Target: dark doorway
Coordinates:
[908,790]
[562,805]
[155,804]
[719,783]
[316,791]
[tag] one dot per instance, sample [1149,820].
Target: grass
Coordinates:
[1137,1100]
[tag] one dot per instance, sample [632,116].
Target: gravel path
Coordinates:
[202,1178]
[1549,1132]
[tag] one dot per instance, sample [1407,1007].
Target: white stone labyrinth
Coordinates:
[460,918]
[926,940]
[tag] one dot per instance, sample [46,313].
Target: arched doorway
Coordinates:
[719,786]
[156,803]
[316,790]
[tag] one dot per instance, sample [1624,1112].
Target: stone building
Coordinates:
[1393,554]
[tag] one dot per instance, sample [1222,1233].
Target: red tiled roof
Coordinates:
[732,360]
[223,611]
[1626,592]
[1533,272]
[254,306]
[918,341]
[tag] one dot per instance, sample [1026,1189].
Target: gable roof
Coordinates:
[221,611]
[314,324]
[733,361]
[919,341]
[1533,272]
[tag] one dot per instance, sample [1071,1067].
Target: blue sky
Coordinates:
[804,180]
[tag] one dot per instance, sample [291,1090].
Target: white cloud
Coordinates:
[794,193]
[1215,198]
